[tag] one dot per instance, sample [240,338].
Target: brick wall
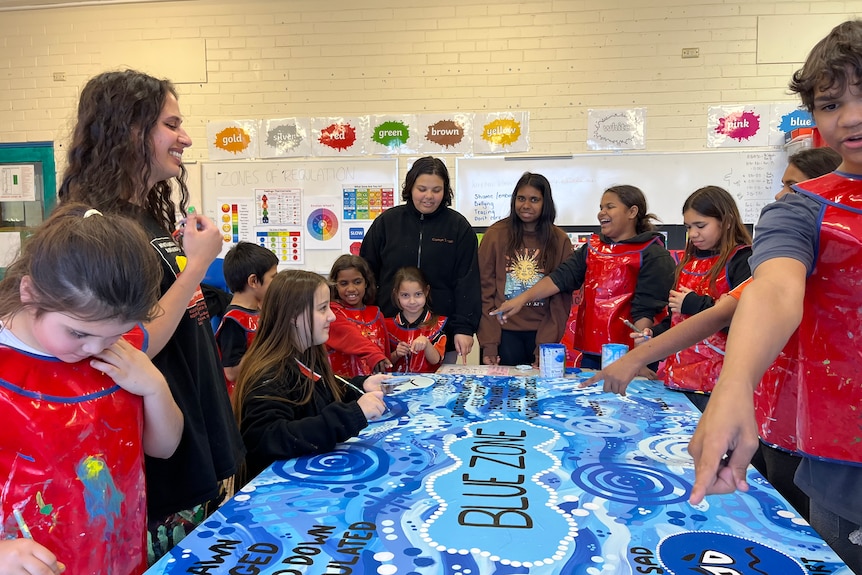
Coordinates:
[275,58]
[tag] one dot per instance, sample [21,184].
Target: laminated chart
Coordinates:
[366,202]
[234,218]
[284,243]
[278,207]
[17,182]
[296,205]
[278,223]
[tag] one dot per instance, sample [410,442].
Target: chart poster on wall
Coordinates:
[339,136]
[738,126]
[285,242]
[393,134]
[322,222]
[235,220]
[232,139]
[278,207]
[354,233]
[285,138]
[619,129]
[366,202]
[445,133]
[500,132]
[18,182]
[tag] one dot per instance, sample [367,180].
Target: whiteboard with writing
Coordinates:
[483,186]
[307,211]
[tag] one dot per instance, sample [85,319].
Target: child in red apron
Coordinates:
[715,261]
[357,342]
[625,271]
[806,268]
[416,335]
[80,403]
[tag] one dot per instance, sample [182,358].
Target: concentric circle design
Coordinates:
[602,427]
[667,449]
[631,484]
[342,465]
[322,224]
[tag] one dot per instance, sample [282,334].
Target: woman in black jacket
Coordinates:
[425,233]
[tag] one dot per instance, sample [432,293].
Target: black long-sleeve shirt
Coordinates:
[273,429]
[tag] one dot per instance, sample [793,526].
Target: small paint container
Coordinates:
[552,359]
[612,352]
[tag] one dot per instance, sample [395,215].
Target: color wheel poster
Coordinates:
[322,222]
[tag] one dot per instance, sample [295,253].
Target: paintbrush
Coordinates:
[348,384]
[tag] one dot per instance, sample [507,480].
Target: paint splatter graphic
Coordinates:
[445,133]
[284,138]
[391,134]
[338,136]
[502,132]
[739,125]
[796,119]
[101,496]
[616,129]
[233,140]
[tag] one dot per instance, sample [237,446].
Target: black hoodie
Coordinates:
[444,247]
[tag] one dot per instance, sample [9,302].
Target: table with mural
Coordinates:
[476,474]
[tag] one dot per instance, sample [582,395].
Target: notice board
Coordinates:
[306,211]
[483,186]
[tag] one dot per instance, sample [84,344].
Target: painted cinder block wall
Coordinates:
[276,58]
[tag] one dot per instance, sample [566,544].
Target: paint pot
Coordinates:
[552,359]
[612,352]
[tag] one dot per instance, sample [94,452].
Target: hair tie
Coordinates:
[92,212]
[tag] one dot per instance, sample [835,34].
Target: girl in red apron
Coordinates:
[625,270]
[80,402]
[416,335]
[715,261]
[357,342]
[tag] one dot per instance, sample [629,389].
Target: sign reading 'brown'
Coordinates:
[445,132]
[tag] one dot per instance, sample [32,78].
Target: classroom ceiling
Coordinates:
[34,4]
[20,3]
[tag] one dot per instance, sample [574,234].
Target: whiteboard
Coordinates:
[307,211]
[483,186]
